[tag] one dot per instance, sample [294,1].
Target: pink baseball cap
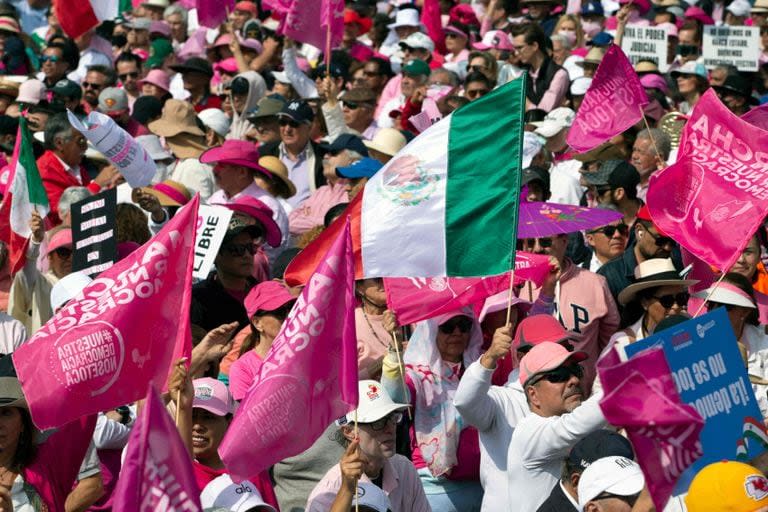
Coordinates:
[654,81]
[547,356]
[267,296]
[252,207]
[537,329]
[160,27]
[222,40]
[499,302]
[157,77]
[213,396]
[62,238]
[497,39]
[671,28]
[226,65]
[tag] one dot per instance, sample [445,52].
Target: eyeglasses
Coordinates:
[238,250]
[609,231]
[50,58]
[463,323]
[530,243]
[629,500]
[132,74]
[559,375]
[351,105]
[476,67]
[381,424]
[476,93]
[289,122]
[661,241]
[63,252]
[667,301]
[91,85]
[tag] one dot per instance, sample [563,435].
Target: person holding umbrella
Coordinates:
[580,299]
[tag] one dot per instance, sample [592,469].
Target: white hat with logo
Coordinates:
[618,476]
[222,493]
[371,496]
[374,404]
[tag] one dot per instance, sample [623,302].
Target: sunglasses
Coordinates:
[289,122]
[714,305]
[50,58]
[238,250]
[351,105]
[477,68]
[463,323]
[132,74]
[63,253]
[530,243]
[609,231]
[90,85]
[629,500]
[667,301]
[381,424]
[560,374]
[661,241]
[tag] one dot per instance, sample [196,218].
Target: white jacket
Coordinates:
[494,411]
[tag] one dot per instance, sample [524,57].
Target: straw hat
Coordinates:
[9,88]
[653,273]
[169,193]
[387,140]
[594,56]
[178,117]
[279,172]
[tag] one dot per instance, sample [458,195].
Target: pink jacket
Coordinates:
[312,210]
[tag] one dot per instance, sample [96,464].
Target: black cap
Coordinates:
[194,64]
[739,85]
[599,444]
[67,88]
[347,141]
[616,174]
[535,174]
[298,111]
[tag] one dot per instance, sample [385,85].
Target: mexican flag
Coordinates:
[25,195]
[78,17]
[446,204]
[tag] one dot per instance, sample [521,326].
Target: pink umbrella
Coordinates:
[537,220]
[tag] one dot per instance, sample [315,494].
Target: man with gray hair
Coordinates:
[176,18]
[60,166]
[69,197]
[649,154]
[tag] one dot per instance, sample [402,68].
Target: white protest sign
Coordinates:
[212,223]
[738,46]
[646,43]
[130,157]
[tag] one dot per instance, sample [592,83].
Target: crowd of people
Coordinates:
[494,407]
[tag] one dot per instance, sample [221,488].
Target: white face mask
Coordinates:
[569,35]
[591,28]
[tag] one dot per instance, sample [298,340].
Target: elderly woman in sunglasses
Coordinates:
[660,292]
[445,450]
[736,295]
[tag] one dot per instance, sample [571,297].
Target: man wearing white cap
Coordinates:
[370,458]
[551,378]
[564,175]
[225,495]
[610,484]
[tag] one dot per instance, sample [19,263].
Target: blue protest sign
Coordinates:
[710,375]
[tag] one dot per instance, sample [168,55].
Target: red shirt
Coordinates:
[208,101]
[56,179]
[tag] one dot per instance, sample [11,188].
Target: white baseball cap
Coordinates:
[371,496]
[612,475]
[222,493]
[559,119]
[419,40]
[374,404]
[216,120]
[580,86]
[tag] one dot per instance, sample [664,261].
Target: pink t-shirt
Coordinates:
[242,373]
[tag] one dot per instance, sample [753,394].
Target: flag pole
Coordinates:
[709,295]
[357,497]
[328,54]
[517,187]
[178,406]
[402,370]
[650,135]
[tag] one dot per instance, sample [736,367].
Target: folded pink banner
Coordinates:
[308,378]
[663,430]
[714,198]
[157,473]
[121,332]
[415,299]
[757,116]
[613,103]
[300,21]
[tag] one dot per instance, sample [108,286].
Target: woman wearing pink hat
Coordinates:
[157,84]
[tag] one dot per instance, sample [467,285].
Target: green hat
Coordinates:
[416,67]
[158,51]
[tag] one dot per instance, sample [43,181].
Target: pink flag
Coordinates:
[157,473]
[613,103]
[758,116]
[432,20]
[663,430]
[713,199]
[211,13]
[301,22]
[308,378]
[121,332]
[415,299]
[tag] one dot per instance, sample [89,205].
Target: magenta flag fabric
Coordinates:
[212,13]
[663,430]
[121,332]
[157,473]
[416,299]
[300,21]
[758,116]
[713,199]
[308,378]
[613,103]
